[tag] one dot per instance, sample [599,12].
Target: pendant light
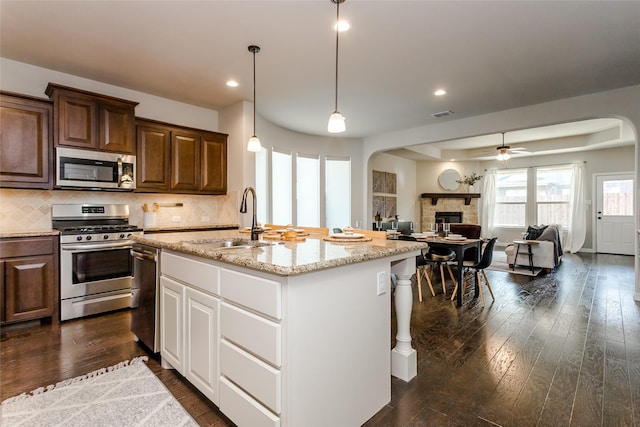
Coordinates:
[336,120]
[254,143]
[503,151]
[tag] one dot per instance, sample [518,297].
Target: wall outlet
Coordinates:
[176,218]
[204,218]
[382,283]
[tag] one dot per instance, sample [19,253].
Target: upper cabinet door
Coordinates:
[185,164]
[25,142]
[154,157]
[117,128]
[214,163]
[92,121]
[76,122]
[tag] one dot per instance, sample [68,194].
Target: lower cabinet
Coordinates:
[303,350]
[29,279]
[201,346]
[172,323]
[189,321]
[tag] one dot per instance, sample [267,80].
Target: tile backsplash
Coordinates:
[30,210]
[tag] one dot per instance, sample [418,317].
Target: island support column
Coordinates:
[404,359]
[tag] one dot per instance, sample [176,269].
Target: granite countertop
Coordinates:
[280,258]
[37,233]
[165,228]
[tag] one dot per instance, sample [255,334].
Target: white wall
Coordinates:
[408,203]
[28,79]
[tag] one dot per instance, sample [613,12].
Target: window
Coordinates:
[536,195]
[553,194]
[308,190]
[511,198]
[262,185]
[617,197]
[281,188]
[338,192]
[298,195]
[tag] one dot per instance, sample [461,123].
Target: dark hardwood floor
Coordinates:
[561,349]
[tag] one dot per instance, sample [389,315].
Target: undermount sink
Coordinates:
[215,244]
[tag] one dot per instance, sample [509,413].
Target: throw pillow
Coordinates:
[534,231]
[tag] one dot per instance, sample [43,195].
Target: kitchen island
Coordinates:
[286,334]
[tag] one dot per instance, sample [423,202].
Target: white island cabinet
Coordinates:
[189,316]
[310,349]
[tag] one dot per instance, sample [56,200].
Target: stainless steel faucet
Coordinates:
[243,209]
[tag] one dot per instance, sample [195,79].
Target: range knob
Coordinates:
[129,236]
[122,236]
[105,237]
[88,237]
[79,238]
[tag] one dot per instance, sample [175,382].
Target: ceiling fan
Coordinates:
[504,152]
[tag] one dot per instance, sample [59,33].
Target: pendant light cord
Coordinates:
[337,37]
[254,92]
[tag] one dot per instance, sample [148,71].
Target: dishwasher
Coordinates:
[145,316]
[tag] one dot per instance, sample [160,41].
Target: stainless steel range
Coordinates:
[96,268]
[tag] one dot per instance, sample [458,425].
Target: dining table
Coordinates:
[459,246]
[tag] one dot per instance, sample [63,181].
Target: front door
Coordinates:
[615,214]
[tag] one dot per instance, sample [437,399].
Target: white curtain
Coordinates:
[488,203]
[577,210]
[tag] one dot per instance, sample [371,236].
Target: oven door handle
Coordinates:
[84,246]
[141,256]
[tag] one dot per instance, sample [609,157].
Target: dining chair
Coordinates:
[437,257]
[470,231]
[429,258]
[479,267]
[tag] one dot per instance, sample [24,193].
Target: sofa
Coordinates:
[547,254]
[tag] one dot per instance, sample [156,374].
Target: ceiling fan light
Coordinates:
[500,157]
[507,156]
[336,123]
[254,144]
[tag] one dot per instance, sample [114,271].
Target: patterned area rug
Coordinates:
[127,394]
[499,263]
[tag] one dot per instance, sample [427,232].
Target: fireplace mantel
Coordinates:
[435,196]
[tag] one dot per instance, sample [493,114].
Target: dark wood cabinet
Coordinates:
[26,142]
[185,164]
[214,163]
[92,121]
[153,157]
[29,279]
[178,159]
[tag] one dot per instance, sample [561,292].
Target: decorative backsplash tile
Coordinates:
[30,210]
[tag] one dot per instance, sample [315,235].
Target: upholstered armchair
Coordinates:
[547,253]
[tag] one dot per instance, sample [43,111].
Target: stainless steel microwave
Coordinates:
[97,170]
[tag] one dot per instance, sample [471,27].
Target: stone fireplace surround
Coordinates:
[428,210]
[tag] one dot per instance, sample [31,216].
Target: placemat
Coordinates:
[343,240]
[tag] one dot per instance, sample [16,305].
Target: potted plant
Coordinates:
[469,181]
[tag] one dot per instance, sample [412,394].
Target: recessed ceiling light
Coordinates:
[232,83]
[342,26]
[440,92]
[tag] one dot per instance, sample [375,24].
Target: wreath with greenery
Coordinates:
[469,180]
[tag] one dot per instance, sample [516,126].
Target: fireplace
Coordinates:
[452,217]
